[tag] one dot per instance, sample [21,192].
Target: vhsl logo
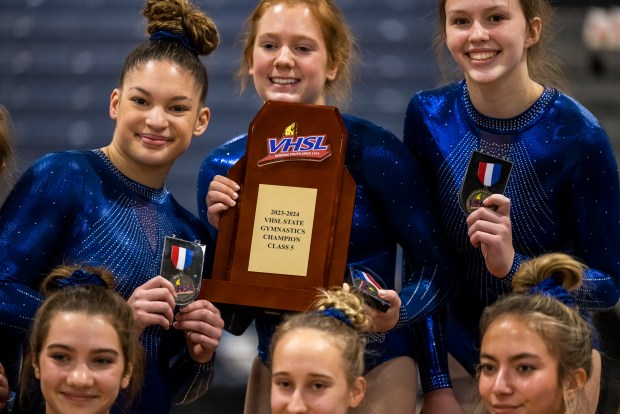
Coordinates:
[291,147]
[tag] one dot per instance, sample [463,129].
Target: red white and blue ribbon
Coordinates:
[181,257]
[488,173]
[366,277]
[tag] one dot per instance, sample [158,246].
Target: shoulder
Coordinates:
[572,122]
[223,157]
[430,100]
[373,144]
[58,163]
[570,110]
[363,129]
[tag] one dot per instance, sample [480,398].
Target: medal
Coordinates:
[485,175]
[475,199]
[181,264]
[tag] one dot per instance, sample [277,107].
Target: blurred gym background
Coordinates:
[60,60]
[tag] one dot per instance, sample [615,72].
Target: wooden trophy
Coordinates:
[289,232]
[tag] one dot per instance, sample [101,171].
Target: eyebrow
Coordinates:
[95,351]
[297,37]
[174,98]
[490,9]
[517,357]
[312,375]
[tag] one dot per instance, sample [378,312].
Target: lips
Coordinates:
[77,397]
[482,56]
[283,81]
[504,408]
[154,140]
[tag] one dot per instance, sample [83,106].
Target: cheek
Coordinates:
[453,42]
[484,387]
[278,401]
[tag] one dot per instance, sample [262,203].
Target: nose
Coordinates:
[80,376]
[284,58]
[296,403]
[503,382]
[156,118]
[478,32]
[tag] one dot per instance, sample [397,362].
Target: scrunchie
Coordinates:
[164,34]
[338,314]
[549,287]
[81,278]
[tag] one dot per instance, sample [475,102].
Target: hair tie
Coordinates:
[549,287]
[338,314]
[179,37]
[81,278]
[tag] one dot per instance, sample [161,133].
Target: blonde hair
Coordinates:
[344,330]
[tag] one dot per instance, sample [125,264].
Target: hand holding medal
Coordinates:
[489,228]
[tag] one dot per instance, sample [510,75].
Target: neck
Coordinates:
[506,100]
[147,175]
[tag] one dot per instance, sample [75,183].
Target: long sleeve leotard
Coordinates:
[563,189]
[76,207]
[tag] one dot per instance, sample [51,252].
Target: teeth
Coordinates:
[282,81]
[482,55]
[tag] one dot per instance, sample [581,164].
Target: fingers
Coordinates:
[384,321]
[153,303]
[203,327]
[222,190]
[200,317]
[498,202]
[221,196]
[391,296]
[213,214]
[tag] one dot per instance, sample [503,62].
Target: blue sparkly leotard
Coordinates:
[391,207]
[76,207]
[563,189]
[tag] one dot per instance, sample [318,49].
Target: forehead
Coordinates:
[284,19]
[81,329]
[508,336]
[308,343]
[481,5]
[161,76]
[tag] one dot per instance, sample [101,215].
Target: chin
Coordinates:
[283,97]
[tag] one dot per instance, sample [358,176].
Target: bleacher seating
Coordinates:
[59,61]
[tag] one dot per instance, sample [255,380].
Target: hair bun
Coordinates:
[565,270]
[181,18]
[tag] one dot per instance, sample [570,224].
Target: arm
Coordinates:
[430,332]
[202,326]
[432,360]
[215,194]
[397,179]
[32,222]
[213,173]
[593,204]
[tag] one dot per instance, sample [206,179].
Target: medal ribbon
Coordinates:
[181,257]
[488,173]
